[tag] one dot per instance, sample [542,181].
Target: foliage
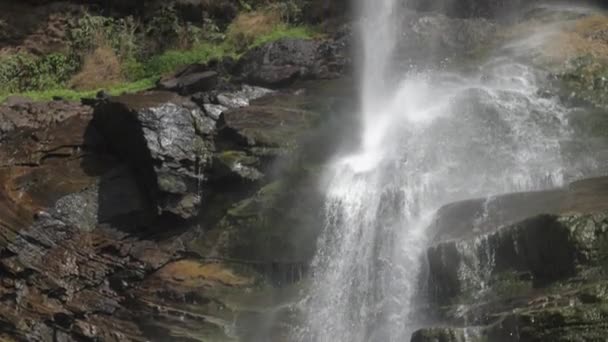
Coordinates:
[284,31]
[25,72]
[289,10]
[90,32]
[246,6]
[172,59]
[104,51]
[70,94]
[164,27]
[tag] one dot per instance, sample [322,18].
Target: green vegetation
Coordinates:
[284,31]
[71,94]
[124,55]
[22,71]
[172,59]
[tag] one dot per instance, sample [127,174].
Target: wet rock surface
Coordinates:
[282,62]
[191,213]
[167,140]
[537,279]
[144,218]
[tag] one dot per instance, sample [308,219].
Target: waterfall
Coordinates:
[428,139]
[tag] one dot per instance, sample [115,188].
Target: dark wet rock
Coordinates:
[97,203]
[84,254]
[440,335]
[191,79]
[539,279]
[265,127]
[236,165]
[282,62]
[541,250]
[275,229]
[58,186]
[435,37]
[167,141]
[466,219]
[206,97]
[28,114]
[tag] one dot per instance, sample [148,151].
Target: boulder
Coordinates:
[265,126]
[191,79]
[167,140]
[214,102]
[539,279]
[475,217]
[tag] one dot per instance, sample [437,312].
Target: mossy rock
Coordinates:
[275,229]
[239,165]
[585,81]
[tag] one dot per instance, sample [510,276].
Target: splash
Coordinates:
[429,139]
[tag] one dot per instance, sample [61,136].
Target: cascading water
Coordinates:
[433,138]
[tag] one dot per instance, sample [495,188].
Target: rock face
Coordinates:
[281,62]
[540,279]
[147,219]
[167,140]
[437,38]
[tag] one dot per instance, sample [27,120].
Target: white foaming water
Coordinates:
[435,138]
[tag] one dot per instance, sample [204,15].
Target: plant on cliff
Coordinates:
[25,72]
[106,52]
[90,32]
[270,23]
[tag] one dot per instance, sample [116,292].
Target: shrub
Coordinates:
[289,10]
[25,72]
[163,29]
[90,32]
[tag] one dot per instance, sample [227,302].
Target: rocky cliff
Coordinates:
[179,214]
[190,212]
